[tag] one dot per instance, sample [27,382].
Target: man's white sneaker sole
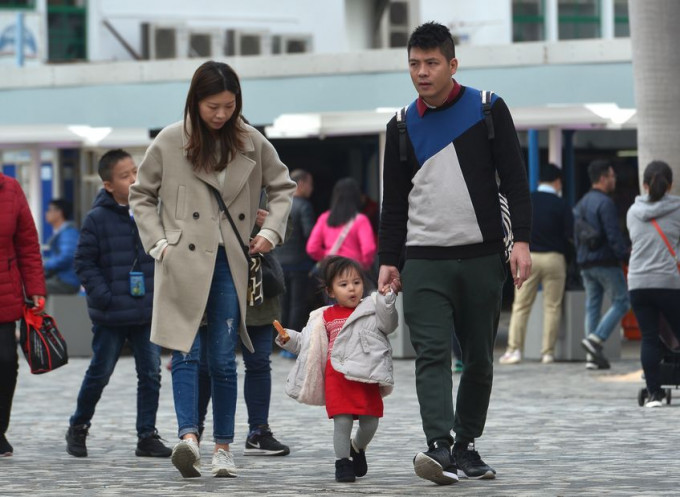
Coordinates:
[429,469]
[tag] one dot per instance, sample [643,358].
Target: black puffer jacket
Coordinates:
[108,246]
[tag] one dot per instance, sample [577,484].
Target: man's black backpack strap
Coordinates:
[401,126]
[486,109]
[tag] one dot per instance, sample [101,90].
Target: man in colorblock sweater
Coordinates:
[441,201]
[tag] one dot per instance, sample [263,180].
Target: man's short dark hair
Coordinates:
[108,161]
[597,169]
[64,206]
[433,35]
[549,172]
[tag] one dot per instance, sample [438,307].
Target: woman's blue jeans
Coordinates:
[257,385]
[219,340]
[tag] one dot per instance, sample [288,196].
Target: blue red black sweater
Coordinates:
[442,202]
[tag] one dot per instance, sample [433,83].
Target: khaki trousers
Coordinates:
[549,269]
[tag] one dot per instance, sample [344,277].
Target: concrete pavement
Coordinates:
[552,430]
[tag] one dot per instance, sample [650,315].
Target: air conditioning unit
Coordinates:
[291,43]
[240,42]
[160,41]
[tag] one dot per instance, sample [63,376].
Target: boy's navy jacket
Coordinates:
[109,244]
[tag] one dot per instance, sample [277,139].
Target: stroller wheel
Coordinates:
[642,395]
[668,396]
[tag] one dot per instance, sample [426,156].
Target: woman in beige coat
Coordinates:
[200,264]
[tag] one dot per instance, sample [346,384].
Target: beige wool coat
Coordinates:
[171,200]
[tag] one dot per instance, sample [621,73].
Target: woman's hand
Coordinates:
[261,216]
[260,244]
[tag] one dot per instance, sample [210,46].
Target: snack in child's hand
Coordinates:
[284,337]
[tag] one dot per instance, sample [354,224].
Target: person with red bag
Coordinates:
[21,273]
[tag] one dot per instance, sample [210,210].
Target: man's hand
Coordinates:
[520,263]
[389,278]
[260,244]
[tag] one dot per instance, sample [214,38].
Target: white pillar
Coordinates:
[551,20]
[55,159]
[607,19]
[35,191]
[555,146]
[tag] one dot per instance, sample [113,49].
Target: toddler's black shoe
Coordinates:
[358,460]
[344,471]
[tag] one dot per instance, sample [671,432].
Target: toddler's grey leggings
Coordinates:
[343,431]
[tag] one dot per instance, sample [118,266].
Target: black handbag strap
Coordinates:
[223,208]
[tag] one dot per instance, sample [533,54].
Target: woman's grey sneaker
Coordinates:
[75,440]
[6,449]
[152,446]
[436,464]
[358,460]
[186,457]
[223,465]
[470,465]
[261,442]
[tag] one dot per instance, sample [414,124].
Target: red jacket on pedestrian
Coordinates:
[20,261]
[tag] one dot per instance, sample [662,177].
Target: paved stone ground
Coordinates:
[552,430]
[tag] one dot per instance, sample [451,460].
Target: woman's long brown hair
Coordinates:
[202,149]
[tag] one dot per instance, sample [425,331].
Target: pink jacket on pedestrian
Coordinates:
[358,245]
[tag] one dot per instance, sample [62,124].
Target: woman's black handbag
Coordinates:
[273,281]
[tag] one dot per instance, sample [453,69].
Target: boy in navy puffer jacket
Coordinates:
[118,278]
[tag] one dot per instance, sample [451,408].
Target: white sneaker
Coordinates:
[186,457]
[548,359]
[223,464]
[511,357]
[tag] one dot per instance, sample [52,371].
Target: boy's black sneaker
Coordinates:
[75,440]
[436,464]
[152,446]
[358,460]
[344,471]
[470,465]
[6,449]
[262,443]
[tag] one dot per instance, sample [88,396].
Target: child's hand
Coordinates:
[283,334]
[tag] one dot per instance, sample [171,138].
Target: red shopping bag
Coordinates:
[41,342]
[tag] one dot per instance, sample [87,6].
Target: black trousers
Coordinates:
[9,369]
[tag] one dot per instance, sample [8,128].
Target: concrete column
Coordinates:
[555,146]
[551,20]
[35,190]
[607,19]
[533,159]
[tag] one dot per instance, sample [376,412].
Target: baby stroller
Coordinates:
[670,363]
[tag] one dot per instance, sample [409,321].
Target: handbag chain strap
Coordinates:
[223,208]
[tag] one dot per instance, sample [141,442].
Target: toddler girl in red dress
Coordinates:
[345,361]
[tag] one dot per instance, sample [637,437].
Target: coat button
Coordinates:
[196,215]
[241,216]
[192,246]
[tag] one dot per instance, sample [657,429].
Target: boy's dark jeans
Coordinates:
[440,295]
[9,367]
[107,344]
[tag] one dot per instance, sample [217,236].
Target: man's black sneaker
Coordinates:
[344,471]
[75,440]
[436,464]
[152,446]
[262,443]
[594,348]
[358,460]
[6,449]
[470,465]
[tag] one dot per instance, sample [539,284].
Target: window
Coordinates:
[165,43]
[66,30]
[283,44]
[200,45]
[398,24]
[621,24]
[17,4]
[528,20]
[578,19]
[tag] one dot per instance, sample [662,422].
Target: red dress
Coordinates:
[345,396]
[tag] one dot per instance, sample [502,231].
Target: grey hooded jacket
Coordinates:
[651,263]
